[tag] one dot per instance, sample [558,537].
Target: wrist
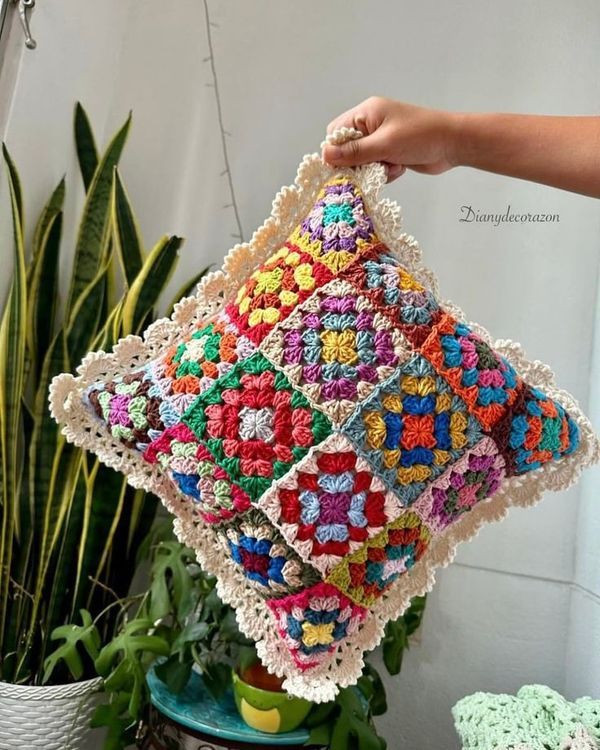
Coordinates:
[459,129]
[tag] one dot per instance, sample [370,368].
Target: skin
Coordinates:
[563,152]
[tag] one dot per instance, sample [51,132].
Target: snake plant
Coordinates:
[70,526]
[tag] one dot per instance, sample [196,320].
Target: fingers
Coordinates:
[352,118]
[352,153]
[394,171]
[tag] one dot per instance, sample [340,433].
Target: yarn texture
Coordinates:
[323,426]
[536,718]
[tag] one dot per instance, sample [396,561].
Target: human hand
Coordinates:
[402,136]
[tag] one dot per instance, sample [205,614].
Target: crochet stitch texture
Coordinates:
[536,718]
[323,426]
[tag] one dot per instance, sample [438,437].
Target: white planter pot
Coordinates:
[54,717]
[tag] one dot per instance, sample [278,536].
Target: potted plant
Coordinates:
[69,526]
[181,618]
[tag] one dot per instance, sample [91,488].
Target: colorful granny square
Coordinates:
[367,573]
[412,427]
[193,469]
[131,411]
[192,366]
[271,293]
[330,503]
[487,382]
[536,431]
[473,478]
[338,228]
[378,275]
[324,428]
[314,622]
[262,556]
[336,348]
[255,424]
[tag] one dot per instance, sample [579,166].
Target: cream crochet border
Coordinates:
[254,617]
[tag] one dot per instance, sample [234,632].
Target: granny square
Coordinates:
[323,426]
[335,348]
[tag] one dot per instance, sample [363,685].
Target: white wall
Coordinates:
[522,602]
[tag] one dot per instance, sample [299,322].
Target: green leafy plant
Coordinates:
[69,526]
[181,619]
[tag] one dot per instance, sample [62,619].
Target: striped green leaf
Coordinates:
[85,144]
[92,236]
[43,292]
[52,207]
[12,371]
[149,283]
[86,316]
[187,289]
[126,233]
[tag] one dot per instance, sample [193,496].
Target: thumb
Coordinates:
[352,153]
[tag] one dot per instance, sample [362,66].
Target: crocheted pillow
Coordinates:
[324,428]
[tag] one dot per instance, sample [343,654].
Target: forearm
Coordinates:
[563,152]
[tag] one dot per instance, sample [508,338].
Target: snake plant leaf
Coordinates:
[151,280]
[110,330]
[52,207]
[85,144]
[74,637]
[106,492]
[12,374]
[92,236]
[86,315]
[43,292]
[57,592]
[14,182]
[187,289]
[126,233]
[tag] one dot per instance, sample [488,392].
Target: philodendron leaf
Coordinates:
[320,736]
[126,233]
[74,637]
[113,716]
[174,672]
[122,661]
[91,238]
[130,643]
[170,571]
[394,643]
[149,283]
[193,631]
[87,154]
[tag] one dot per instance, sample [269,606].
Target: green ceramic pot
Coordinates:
[268,710]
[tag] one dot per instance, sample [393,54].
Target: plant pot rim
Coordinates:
[43,692]
[266,693]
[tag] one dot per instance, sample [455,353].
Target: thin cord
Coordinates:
[211,58]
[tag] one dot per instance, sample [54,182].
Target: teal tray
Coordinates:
[195,708]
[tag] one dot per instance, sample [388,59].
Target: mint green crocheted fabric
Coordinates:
[537,718]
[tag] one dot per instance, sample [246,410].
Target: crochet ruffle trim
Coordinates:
[254,618]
